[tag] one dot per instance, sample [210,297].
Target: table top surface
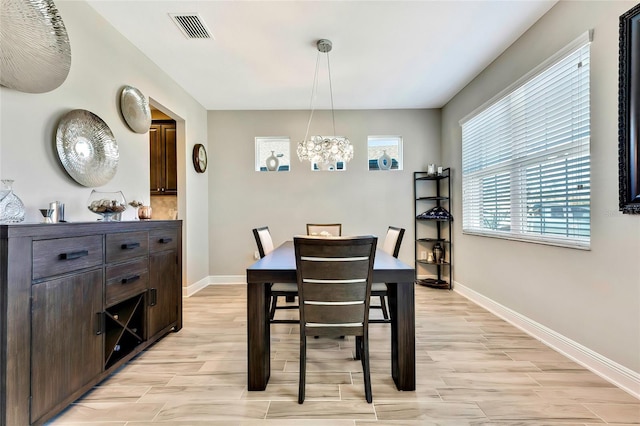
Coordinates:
[282,259]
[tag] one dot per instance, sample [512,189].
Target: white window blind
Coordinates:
[525,156]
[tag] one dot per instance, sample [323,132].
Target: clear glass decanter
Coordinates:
[11,207]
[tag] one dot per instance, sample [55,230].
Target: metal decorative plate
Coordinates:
[86,148]
[35,54]
[135,109]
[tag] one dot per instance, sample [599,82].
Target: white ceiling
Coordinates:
[386,54]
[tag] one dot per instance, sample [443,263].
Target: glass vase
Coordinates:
[109,205]
[11,207]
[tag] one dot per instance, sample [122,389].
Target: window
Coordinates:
[525,157]
[272,154]
[384,152]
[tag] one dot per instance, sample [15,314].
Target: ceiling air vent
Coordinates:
[191,25]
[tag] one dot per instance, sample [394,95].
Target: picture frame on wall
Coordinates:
[629,112]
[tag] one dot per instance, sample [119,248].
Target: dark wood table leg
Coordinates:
[403,335]
[258,336]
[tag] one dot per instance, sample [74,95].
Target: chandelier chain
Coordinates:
[333,115]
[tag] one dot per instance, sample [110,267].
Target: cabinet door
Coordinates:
[171,171]
[156,159]
[66,347]
[163,168]
[164,290]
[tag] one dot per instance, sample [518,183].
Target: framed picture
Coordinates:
[629,112]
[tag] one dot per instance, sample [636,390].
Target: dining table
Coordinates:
[280,266]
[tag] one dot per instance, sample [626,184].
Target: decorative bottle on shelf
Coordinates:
[272,162]
[438,253]
[384,162]
[11,207]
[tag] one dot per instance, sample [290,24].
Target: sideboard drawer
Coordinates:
[126,245]
[126,280]
[163,239]
[61,255]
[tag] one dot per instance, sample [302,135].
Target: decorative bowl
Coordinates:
[109,205]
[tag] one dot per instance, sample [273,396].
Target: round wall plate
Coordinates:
[36,53]
[135,109]
[87,148]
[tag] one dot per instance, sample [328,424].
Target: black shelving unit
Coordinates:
[429,191]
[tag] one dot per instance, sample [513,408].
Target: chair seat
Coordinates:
[378,287]
[380,290]
[285,287]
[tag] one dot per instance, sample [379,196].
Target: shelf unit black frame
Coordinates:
[443,236]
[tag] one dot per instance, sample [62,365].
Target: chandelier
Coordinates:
[325,151]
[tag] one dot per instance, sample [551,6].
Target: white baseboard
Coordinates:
[227,279]
[192,289]
[619,375]
[213,280]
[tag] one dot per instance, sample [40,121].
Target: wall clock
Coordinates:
[199,158]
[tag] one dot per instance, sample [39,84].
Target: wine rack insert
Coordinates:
[124,328]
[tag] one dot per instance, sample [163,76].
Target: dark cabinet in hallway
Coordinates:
[162,150]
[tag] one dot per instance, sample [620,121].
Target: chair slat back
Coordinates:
[334,283]
[263,240]
[393,240]
[324,229]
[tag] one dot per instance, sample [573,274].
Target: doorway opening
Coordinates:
[163,176]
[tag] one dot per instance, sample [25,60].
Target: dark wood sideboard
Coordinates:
[78,300]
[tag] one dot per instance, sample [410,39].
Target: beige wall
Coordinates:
[591,297]
[363,201]
[102,62]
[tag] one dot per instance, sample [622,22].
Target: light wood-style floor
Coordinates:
[472,369]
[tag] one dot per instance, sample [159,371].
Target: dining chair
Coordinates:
[324,229]
[334,289]
[391,245]
[288,290]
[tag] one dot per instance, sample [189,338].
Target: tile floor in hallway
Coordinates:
[472,369]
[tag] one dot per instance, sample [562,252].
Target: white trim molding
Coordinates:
[227,279]
[621,376]
[192,289]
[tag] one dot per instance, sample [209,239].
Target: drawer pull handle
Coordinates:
[74,254]
[165,240]
[130,246]
[130,279]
